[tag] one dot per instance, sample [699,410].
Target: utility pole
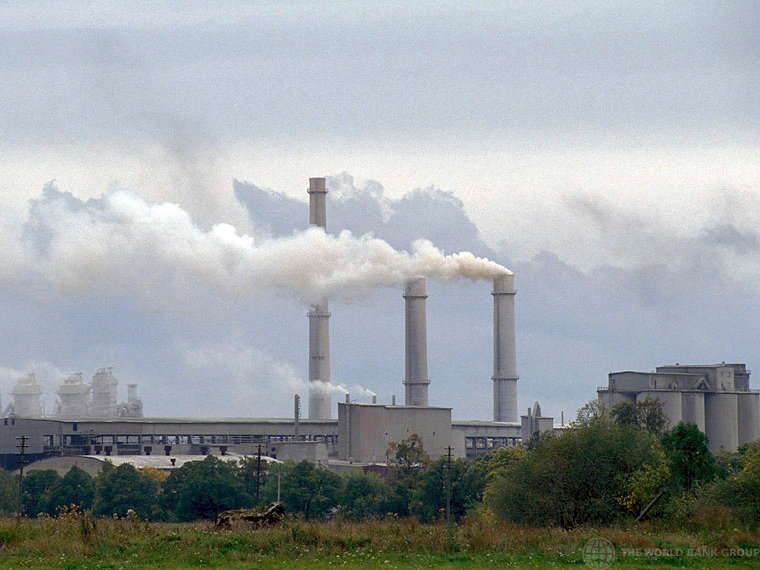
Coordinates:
[22,449]
[258,473]
[448,485]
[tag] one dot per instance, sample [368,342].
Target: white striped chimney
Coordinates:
[416,380]
[504,362]
[320,403]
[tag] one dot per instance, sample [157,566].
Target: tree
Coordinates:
[74,488]
[408,456]
[590,412]
[37,486]
[575,478]
[306,489]
[407,459]
[201,489]
[253,475]
[123,488]
[689,456]
[364,496]
[8,493]
[646,414]
[467,484]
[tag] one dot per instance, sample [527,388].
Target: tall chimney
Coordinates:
[319,319]
[416,380]
[504,365]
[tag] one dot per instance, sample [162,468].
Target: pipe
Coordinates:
[416,380]
[504,361]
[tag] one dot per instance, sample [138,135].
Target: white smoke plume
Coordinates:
[340,389]
[123,243]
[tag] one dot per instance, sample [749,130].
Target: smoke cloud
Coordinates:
[122,243]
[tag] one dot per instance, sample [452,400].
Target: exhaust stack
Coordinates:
[416,380]
[319,326]
[504,362]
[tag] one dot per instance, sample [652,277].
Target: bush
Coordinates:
[364,496]
[37,487]
[74,488]
[305,489]
[201,489]
[123,488]
[579,477]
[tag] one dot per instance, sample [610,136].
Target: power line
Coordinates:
[448,485]
[22,461]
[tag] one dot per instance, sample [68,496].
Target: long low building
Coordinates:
[281,438]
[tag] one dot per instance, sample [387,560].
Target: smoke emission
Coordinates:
[122,243]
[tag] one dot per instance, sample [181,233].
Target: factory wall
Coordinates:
[366,430]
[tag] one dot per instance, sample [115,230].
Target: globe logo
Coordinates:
[598,553]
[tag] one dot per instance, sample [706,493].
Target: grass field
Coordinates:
[76,542]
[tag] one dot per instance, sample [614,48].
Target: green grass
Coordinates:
[76,542]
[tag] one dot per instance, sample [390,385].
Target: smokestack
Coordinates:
[319,325]
[416,380]
[296,414]
[504,363]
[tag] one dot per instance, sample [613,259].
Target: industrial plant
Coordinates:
[88,421]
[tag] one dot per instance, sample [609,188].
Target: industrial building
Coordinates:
[715,397]
[76,399]
[88,421]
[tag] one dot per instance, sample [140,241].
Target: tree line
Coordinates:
[607,467]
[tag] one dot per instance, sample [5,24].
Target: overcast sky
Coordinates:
[607,153]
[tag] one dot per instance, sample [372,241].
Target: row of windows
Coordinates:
[93,439]
[489,442]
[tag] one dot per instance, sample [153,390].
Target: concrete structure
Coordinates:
[93,464]
[361,434]
[133,407]
[312,451]
[104,394]
[26,398]
[504,360]
[320,403]
[533,423]
[715,397]
[416,379]
[156,436]
[73,397]
[366,430]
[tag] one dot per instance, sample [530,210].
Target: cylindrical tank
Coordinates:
[693,408]
[722,420]
[26,397]
[416,379]
[749,417]
[74,395]
[672,405]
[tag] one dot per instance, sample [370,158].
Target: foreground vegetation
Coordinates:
[76,541]
[533,506]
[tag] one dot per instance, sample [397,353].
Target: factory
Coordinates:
[88,421]
[715,397]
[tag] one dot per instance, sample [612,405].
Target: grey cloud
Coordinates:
[576,72]
[420,214]
[726,235]
[573,327]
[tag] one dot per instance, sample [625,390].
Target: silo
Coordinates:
[722,420]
